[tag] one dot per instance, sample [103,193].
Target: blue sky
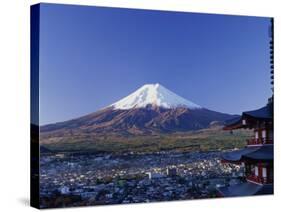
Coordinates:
[91,57]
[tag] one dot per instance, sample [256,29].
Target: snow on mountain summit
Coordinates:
[156,95]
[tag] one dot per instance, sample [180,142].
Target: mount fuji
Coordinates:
[151,109]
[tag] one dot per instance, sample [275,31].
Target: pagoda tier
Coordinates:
[259,172]
[256,119]
[257,162]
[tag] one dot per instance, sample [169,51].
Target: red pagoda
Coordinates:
[257,156]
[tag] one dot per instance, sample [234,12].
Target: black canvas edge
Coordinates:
[34,105]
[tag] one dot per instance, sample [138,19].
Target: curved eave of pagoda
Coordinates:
[233,127]
[234,124]
[245,189]
[264,153]
[237,155]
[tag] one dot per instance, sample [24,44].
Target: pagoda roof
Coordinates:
[264,152]
[246,189]
[264,113]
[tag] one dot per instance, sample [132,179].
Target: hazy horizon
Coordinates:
[91,57]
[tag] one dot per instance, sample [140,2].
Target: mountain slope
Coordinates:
[138,121]
[152,109]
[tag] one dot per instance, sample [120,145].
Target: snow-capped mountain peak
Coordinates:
[155,95]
